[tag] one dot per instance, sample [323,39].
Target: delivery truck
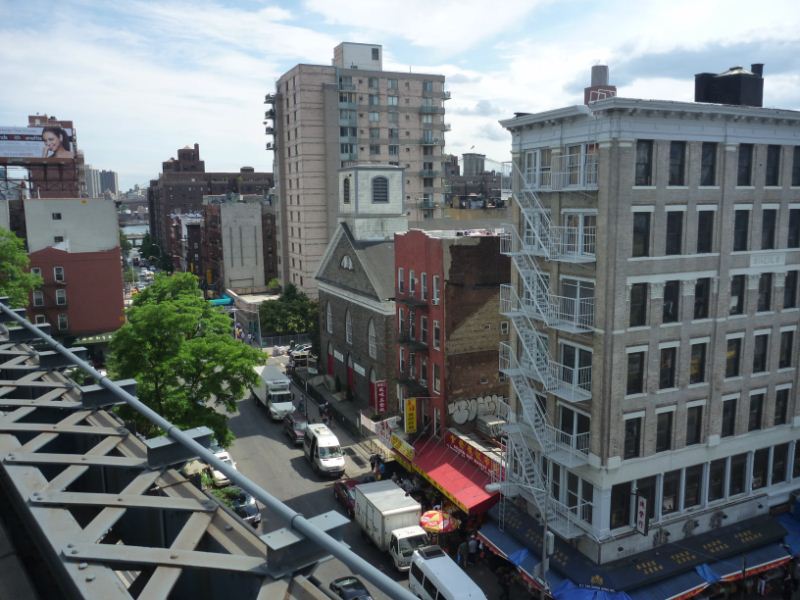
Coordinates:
[389,517]
[273,390]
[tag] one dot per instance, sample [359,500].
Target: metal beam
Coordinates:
[35,458]
[48,428]
[121,501]
[139,555]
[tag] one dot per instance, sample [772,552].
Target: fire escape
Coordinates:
[533,442]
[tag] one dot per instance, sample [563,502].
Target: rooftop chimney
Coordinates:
[599,88]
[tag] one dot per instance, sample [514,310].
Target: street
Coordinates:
[263,452]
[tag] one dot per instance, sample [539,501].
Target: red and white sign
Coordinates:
[380,396]
[642,522]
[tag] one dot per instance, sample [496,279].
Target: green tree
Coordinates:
[180,349]
[16,281]
[292,312]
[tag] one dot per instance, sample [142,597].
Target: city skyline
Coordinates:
[140,80]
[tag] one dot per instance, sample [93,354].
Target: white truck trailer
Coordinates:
[390,518]
[273,390]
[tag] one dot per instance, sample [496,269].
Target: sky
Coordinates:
[141,79]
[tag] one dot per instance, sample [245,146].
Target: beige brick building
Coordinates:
[351,112]
[654,300]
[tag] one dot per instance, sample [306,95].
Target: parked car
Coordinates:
[245,506]
[343,491]
[350,588]
[303,348]
[294,425]
[219,478]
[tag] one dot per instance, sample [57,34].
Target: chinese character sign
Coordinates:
[380,396]
[411,415]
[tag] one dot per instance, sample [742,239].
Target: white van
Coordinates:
[274,391]
[436,576]
[322,450]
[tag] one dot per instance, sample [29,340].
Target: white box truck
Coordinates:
[273,390]
[390,518]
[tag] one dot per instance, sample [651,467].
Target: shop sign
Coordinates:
[380,396]
[463,448]
[403,447]
[642,521]
[410,415]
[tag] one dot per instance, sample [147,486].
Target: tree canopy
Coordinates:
[180,349]
[292,312]
[16,281]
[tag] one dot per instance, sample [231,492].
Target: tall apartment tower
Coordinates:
[654,356]
[331,117]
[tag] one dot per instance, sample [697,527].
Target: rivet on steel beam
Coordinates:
[90,578]
[82,565]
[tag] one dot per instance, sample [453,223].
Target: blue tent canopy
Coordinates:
[222,301]
[569,591]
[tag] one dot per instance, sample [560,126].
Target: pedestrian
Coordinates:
[504,580]
[462,554]
[473,548]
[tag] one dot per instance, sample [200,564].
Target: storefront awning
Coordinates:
[99,338]
[681,587]
[460,481]
[751,563]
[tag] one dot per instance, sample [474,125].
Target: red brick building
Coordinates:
[447,291]
[82,291]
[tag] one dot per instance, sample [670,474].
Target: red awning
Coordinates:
[459,480]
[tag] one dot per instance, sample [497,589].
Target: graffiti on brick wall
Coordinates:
[461,411]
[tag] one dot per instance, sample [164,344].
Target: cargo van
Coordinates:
[436,576]
[321,448]
[273,390]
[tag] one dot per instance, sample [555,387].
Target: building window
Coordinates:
[702,297]
[401,282]
[41,319]
[346,190]
[412,283]
[768,219]
[697,365]
[36,271]
[638,311]
[744,173]
[773,170]
[674,232]
[785,352]
[764,292]
[375,149]
[737,295]
[374,100]
[427,86]
[374,117]
[666,377]
[56,216]
[394,149]
[423,330]
[380,189]
[436,378]
[692,487]
[372,340]
[672,296]
[677,163]
[58,274]
[780,455]
[741,225]
[781,406]
[794,227]
[435,295]
[796,167]
[391,84]
[620,505]
[754,416]
[708,164]
[671,487]
[641,234]
[376,54]
[633,437]
[348,327]
[760,351]
[424,285]
[694,425]
[716,479]
[664,431]
[372,83]
[63,322]
[644,162]
[635,383]
[705,231]
[733,357]
[329,319]
[728,417]
[402,358]
[38,298]
[790,290]
[437,332]
[504,327]
[392,100]
[61,297]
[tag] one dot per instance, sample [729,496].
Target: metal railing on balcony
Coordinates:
[446,127]
[426,141]
[347,87]
[567,172]
[431,110]
[445,94]
[428,173]
[345,105]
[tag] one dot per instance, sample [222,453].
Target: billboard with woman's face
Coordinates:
[50,141]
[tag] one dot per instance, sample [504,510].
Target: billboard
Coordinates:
[410,419]
[50,141]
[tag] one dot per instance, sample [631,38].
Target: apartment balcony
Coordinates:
[565,173]
[411,343]
[445,94]
[411,300]
[269,130]
[269,99]
[348,105]
[573,315]
[348,156]
[348,139]
[270,114]
[347,87]
[445,127]
[348,121]
[431,110]
[412,385]
[428,173]
[426,141]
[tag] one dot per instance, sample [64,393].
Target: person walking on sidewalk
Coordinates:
[462,554]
